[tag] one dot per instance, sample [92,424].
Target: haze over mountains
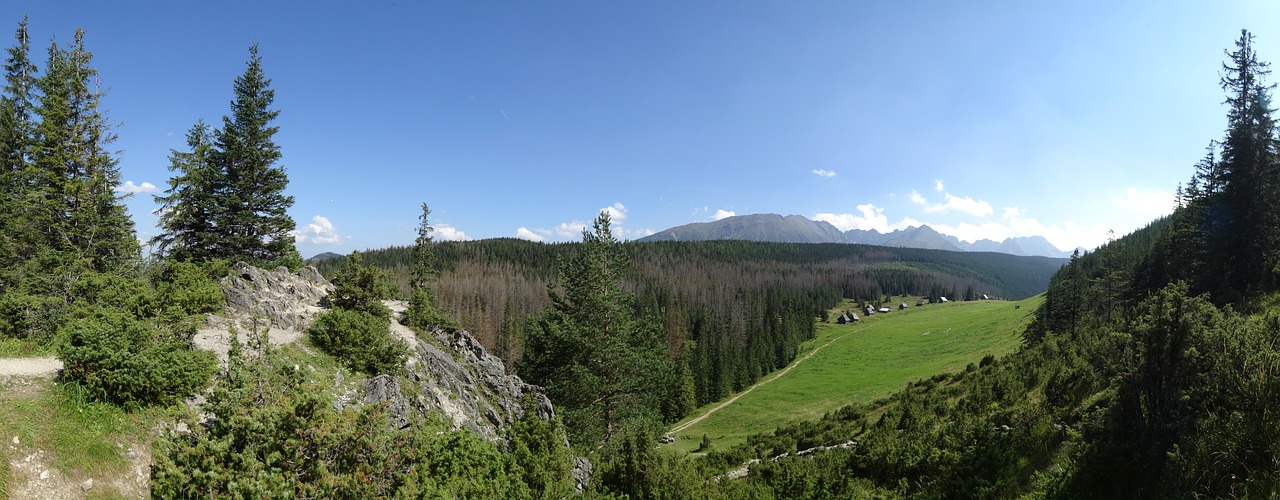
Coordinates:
[799,229]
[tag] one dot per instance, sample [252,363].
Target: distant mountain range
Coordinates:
[798,229]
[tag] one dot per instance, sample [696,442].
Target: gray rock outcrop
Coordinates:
[286,301]
[470,386]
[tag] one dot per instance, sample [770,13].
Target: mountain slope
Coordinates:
[798,229]
[757,227]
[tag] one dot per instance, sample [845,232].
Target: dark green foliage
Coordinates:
[76,205]
[601,364]
[358,287]
[361,341]
[227,198]
[538,448]
[188,207]
[276,435]
[423,314]
[184,288]
[122,360]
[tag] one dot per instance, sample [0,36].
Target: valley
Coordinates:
[860,363]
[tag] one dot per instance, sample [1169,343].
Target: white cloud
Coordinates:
[722,214]
[869,217]
[1066,236]
[822,172]
[525,234]
[939,186]
[977,208]
[1153,203]
[130,188]
[320,231]
[631,234]
[571,229]
[449,233]
[617,212]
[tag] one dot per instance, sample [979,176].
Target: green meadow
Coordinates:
[860,363]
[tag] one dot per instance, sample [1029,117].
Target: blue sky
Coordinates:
[982,119]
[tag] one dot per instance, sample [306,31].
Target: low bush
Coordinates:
[358,287]
[360,341]
[276,435]
[119,359]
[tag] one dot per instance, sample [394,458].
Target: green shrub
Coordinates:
[358,287]
[185,288]
[276,435]
[119,359]
[423,315]
[361,341]
[27,316]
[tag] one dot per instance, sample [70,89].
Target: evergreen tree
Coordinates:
[77,204]
[1250,174]
[187,207]
[16,130]
[601,364]
[227,200]
[253,222]
[422,313]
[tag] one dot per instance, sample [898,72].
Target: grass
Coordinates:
[85,439]
[863,362]
[24,348]
[321,368]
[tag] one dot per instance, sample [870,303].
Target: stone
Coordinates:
[288,301]
[582,471]
[86,485]
[16,441]
[44,475]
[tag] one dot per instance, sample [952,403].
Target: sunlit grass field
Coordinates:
[863,362]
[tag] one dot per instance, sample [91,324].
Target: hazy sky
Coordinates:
[982,119]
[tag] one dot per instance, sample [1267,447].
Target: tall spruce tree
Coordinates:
[253,220]
[16,129]
[422,313]
[602,365]
[1250,174]
[226,199]
[188,206]
[75,200]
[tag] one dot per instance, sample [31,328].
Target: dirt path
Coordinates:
[29,366]
[686,425]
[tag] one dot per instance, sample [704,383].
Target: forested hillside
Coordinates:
[745,306]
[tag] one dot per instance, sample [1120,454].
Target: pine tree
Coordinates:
[1250,174]
[602,365]
[252,221]
[76,180]
[227,198]
[187,208]
[422,313]
[16,130]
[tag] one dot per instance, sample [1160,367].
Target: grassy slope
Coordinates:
[864,362]
[86,440]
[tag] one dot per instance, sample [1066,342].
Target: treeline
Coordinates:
[736,310]
[1149,372]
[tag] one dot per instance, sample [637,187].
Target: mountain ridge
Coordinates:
[800,229]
